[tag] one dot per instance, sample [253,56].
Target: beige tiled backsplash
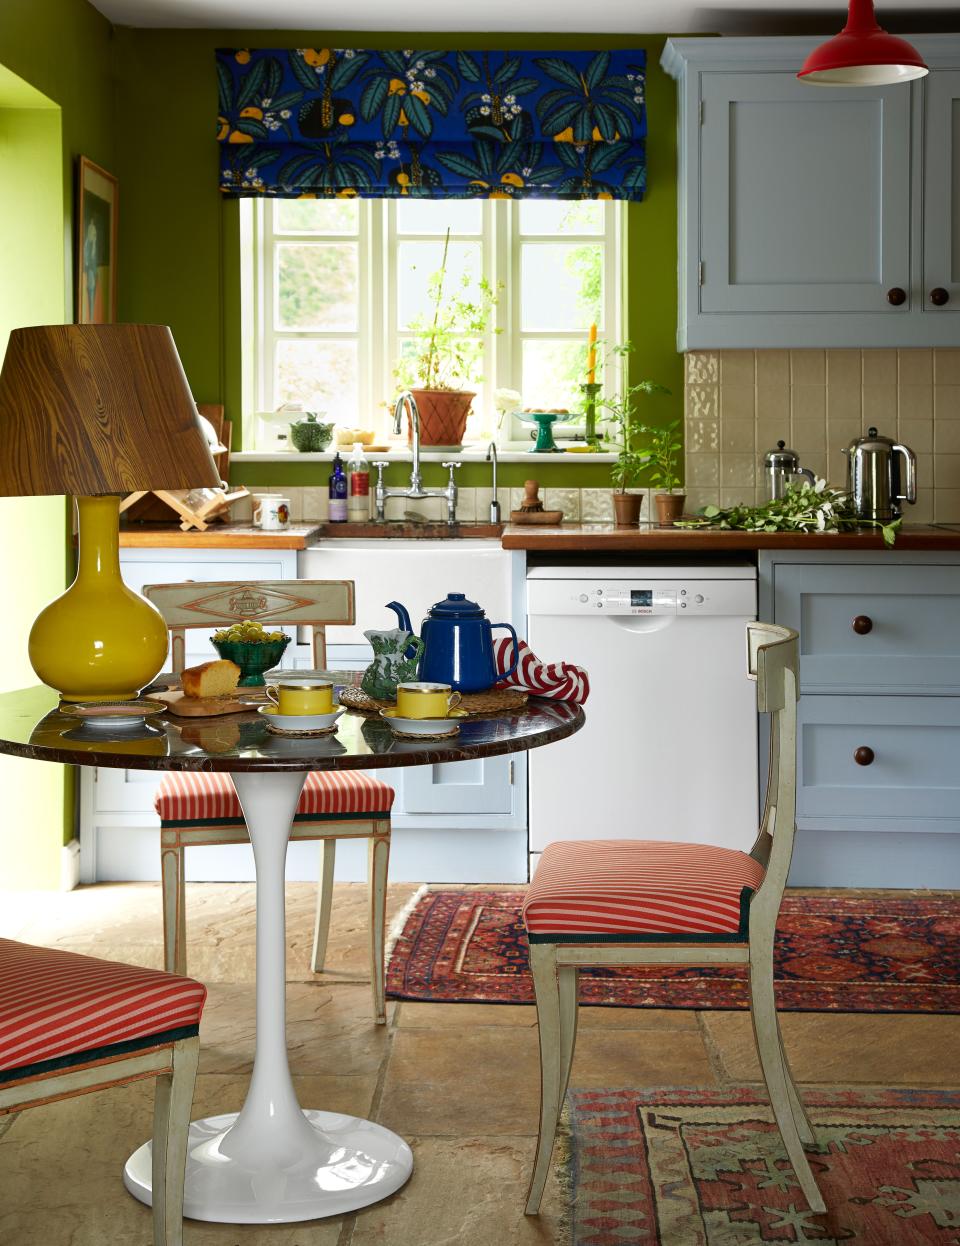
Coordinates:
[739,403]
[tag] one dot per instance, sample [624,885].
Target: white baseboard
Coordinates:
[70,865]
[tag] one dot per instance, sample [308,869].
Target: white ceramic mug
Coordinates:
[271,512]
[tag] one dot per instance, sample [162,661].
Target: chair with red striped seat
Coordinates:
[202,809]
[634,902]
[71,1024]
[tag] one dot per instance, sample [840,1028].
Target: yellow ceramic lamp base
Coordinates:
[100,641]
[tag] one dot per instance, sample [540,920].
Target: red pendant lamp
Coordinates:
[862,55]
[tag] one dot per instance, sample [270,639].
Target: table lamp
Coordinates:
[98,411]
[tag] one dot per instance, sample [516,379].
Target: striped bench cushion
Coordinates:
[56,1006]
[621,890]
[192,799]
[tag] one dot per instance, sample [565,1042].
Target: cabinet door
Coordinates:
[804,196]
[941,190]
[484,785]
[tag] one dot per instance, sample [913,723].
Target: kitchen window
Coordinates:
[331,288]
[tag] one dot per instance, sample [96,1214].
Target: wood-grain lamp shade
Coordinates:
[98,411]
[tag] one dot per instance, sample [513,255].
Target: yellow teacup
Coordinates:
[422,700]
[301,697]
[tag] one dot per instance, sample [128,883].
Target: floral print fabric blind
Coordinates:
[330,122]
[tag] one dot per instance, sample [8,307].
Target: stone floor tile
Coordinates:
[416,1016]
[869,1048]
[489,1176]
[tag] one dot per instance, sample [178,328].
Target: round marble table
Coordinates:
[273,1162]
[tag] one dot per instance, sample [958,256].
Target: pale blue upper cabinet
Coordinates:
[802,209]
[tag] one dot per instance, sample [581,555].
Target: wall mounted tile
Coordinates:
[808,436]
[596,505]
[946,505]
[773,368]
[738,368]
[946,438]
[467,505]
[743,496]
[918,435]
[737,403]
[702,402]
[566,500]
[915,402]
[915,367]
[923,511]
[815,462]
[880,407]
[702,367]
[697,499]
[808,402]
[738,436]
[737,471]
[773,405]
[946,471]
[702,435]
[242,511]
[807,367]
[845,403]
[516,498]
[879,367]
[946,367]
[841,432]
[844,369]
[768,433]
[703,470]
[315,503]
[946,402]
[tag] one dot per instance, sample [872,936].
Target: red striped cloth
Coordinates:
[55,1003]
[638,887]
[560,681]
[188,796]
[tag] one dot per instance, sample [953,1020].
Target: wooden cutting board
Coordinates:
[200,707]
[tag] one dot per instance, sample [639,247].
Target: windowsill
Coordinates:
[475,453]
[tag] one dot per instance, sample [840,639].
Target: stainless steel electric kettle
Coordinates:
[874,477]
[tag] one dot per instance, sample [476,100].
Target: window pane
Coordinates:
[317,285]
[418,261]
[560,285]
[316,216]
[471,351]
[553,372]
[434,216]
[555,216]
[320,375]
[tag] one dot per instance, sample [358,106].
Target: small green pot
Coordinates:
[252,656]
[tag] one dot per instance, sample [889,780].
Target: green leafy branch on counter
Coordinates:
[804,508]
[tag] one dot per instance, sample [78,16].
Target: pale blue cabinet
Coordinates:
[813,216]
[878,746]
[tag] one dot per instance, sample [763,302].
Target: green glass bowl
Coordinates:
[252,656]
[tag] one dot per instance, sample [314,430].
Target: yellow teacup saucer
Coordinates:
[299,722]
[424,726]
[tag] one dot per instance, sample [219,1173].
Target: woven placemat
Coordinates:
[301,735]
[422,735]
[496,701]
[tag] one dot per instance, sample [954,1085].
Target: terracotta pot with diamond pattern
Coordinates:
[443,416]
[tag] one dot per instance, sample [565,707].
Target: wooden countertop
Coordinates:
[217,536]
[599,538]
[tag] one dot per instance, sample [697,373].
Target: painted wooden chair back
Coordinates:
[274,603]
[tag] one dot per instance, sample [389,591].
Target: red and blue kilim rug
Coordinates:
[707,1168]
[835,952]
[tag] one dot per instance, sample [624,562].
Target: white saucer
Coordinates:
[300,722]
[423,726]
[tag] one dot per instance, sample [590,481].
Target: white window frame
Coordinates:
[378,334]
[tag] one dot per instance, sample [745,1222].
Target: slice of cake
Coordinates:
[210,679]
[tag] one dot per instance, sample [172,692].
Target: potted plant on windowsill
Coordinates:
[623,431]
[446,355]
[663,450]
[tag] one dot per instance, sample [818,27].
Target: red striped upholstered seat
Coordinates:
[59,1006]
[190,799]
[639,891]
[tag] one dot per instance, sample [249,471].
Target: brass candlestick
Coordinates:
[590,391]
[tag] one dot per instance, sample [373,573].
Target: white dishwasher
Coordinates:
[669,750]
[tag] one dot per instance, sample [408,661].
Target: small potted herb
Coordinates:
[623,431]
[663,451]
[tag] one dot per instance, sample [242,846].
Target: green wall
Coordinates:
[179,242]
[56,103]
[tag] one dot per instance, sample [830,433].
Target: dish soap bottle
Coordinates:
[358,501]
[338,493]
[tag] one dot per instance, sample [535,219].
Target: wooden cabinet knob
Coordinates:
[896,296]
[939,296]
[862,624]
[864,755]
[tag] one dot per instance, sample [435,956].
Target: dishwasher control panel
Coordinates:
[624,597]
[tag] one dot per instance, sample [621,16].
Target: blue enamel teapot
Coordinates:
[458,644]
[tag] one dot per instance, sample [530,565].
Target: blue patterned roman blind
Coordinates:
[331,122]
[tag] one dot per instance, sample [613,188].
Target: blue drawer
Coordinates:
[913,781]
[909,618]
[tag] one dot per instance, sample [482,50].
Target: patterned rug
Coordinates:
[707,1168]
[835,952]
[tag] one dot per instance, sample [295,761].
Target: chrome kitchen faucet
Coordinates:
[407,402]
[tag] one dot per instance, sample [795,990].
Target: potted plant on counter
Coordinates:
[447,351]
[623,431]
[663,449]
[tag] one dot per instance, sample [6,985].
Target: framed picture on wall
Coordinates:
[96,244]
